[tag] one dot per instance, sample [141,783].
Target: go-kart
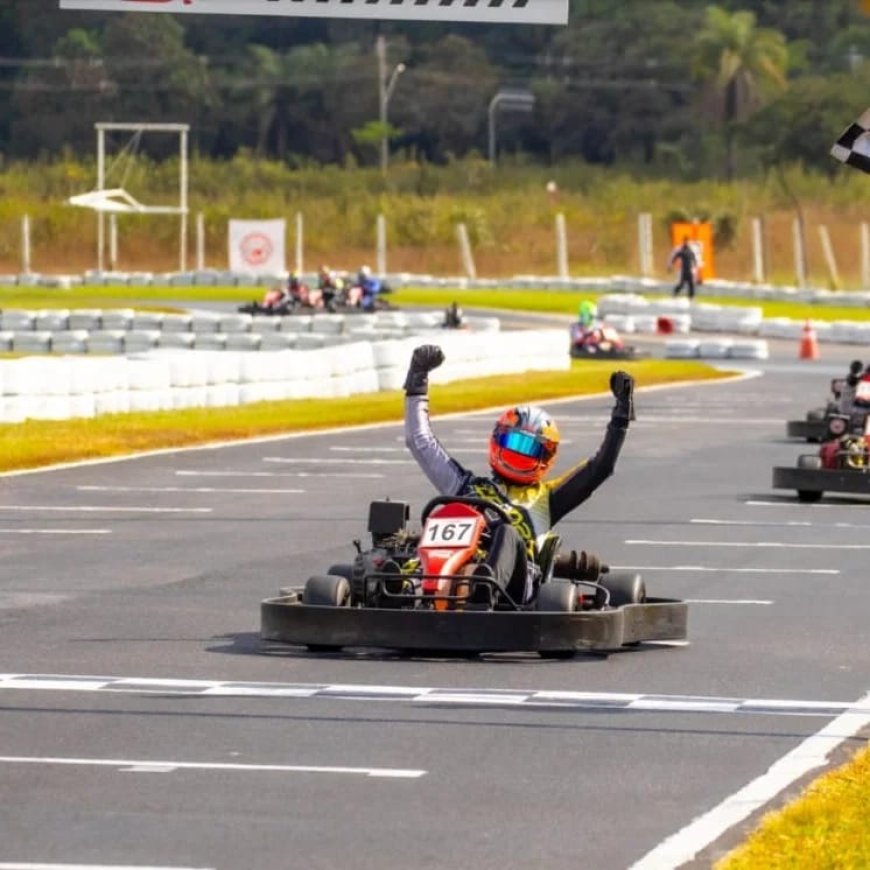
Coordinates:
[429,590]
[599,341]
[814,428]
[841,465]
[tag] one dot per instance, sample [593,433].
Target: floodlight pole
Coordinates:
[386,86]
[510,98]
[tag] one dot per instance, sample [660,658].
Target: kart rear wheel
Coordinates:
[624,588]
[809,496]
[811,462]
[326,590]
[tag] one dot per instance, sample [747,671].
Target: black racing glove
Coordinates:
[423,360]
[622,387]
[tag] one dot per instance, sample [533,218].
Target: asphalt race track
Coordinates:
[167,738]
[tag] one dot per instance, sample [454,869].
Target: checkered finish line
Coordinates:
[481,11]
[853,147]
[546,699]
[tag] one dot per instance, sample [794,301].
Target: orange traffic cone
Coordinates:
[809,348]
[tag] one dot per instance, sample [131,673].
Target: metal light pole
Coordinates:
[386,86]
[515,99]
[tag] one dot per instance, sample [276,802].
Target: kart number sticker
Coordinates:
[448,533]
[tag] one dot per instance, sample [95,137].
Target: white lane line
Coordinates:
[545,699]
[790,503]
[19,866]
[812,753]
[340,474]
[738,601]
[404,450]
[787,524]
[677,418]
[55,531]
[133,765]
[200,489]
[703,522]
[707,569]
[336,461]
[781,545]
[91,508]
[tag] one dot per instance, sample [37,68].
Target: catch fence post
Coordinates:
[800,257]
[465,251]
[25,245]
[758,264]
[381,245]
[830,259]
[561,246]
[865,256]
[200,241]
[645,244]
[300,237]
[113,242]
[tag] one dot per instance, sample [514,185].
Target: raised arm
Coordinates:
[444,472]
[574,487]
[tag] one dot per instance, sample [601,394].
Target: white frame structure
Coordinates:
[116,200]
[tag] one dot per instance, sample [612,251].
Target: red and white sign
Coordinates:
[257,247]
[503,12]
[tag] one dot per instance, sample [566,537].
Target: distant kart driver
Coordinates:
[522,448]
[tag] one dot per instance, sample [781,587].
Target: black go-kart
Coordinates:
[427,590]
[842,463]
[814,427]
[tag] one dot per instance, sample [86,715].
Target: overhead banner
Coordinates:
[257,247]
[485,11]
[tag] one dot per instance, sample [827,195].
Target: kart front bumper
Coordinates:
[286,620]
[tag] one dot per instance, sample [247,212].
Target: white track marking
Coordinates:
[138,766]
[88,508]
[336,461]
[790,503]
[781,545]
[707,569]
[532,698]
[55,531]
[343,475]
[19,866]
[787,524]
[199,489]
[738,601]
[811,754]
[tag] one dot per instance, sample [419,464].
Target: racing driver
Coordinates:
[522,448]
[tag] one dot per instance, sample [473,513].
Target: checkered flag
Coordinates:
[853,147]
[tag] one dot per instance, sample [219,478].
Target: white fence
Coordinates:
[62,387]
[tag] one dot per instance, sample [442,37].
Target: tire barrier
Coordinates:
[159,379]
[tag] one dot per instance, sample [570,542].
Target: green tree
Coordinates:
[743,63]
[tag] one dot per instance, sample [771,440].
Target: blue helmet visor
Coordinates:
[521,442]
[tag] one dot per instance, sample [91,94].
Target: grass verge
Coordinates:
[825,829]
[37,443]
[536,301]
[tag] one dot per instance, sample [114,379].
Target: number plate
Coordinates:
[448,532]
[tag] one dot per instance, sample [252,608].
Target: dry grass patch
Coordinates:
[825,829]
